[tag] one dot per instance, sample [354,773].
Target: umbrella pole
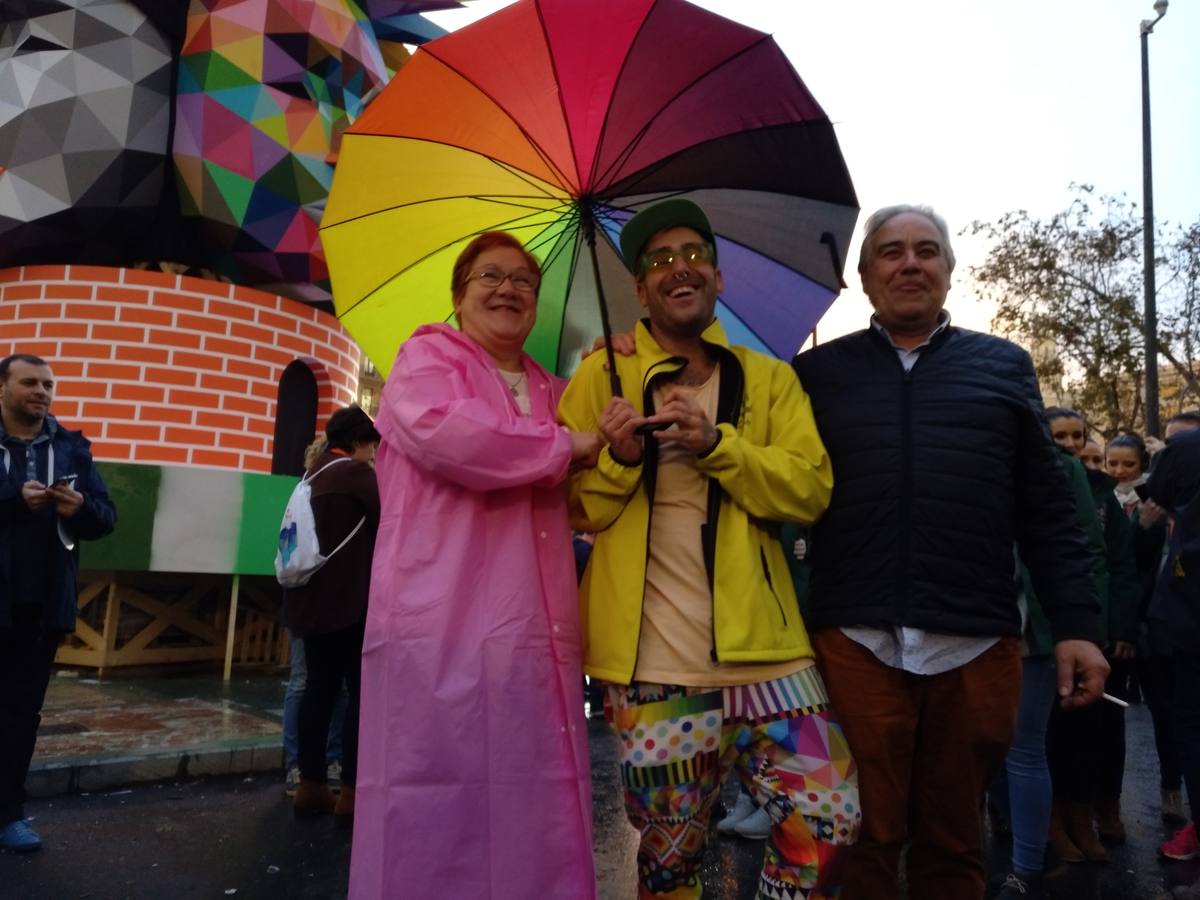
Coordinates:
[589,233]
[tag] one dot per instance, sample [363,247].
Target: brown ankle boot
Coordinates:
[313,798]
[343,811]
[1108,820]
[1062,844]
[1172,807]
[1077,821]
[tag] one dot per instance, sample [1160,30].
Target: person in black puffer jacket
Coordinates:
[941,461]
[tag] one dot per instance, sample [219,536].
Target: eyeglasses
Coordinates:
[664,257]
[525,282]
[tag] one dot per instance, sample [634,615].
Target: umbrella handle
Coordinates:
[589,233]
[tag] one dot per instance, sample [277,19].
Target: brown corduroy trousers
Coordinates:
[927,747]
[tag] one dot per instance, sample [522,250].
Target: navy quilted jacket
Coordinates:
[937,472]
[94,520]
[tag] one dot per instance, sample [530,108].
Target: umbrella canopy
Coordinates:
[552,115]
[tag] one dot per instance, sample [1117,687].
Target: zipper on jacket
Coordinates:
[762,554]
[734,378]
[649,479]
[903,583]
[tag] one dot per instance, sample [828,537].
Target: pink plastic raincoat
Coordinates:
[473,775]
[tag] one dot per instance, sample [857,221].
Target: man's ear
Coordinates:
[641,293]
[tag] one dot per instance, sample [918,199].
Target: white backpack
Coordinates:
[299,555]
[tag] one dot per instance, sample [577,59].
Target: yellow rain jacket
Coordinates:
[769,465]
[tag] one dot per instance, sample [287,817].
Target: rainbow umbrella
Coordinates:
[556,120]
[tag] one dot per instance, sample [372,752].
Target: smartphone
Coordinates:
[66,481]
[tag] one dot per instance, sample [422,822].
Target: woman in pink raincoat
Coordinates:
[474,777]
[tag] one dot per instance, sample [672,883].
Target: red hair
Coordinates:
[489,240]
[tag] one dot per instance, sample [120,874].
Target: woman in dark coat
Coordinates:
[330,611]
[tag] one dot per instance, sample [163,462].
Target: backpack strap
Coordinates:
[333,462]
[347,540]
[354,531]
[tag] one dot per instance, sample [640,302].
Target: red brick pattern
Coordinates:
[164,368]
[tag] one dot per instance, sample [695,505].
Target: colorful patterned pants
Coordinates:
[677,743]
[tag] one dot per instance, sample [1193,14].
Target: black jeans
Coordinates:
[1157,687]
[26,655]
[332,658]
[1110,752]
[1186,666]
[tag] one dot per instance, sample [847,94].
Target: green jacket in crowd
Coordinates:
[1114,567]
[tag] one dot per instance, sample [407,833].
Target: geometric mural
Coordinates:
[100,163]
[265,90]
[85,89]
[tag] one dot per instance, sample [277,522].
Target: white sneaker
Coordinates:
[743,808]
[755,826]
[292,782]
[333,775]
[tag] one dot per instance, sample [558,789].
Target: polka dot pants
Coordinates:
[780,737]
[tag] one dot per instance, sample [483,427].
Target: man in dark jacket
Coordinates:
[941,461]
[51,497]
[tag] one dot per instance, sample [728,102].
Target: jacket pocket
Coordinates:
[762,555]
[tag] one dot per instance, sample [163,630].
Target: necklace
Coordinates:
[513,379]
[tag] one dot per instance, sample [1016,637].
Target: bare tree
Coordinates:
[1070,286]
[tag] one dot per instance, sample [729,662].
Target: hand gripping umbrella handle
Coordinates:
[589,233]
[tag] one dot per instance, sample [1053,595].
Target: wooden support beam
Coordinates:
[231,626]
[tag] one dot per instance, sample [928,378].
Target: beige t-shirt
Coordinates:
[676,642]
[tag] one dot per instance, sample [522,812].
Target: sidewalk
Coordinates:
[137,726]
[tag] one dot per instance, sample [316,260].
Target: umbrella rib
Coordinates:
[632,146]
[499,226]
[657,165]
[499,199]
[561,245]
[537,6]
[521,175]
[537,148]
[592,179]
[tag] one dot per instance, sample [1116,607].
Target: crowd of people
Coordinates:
[876,586]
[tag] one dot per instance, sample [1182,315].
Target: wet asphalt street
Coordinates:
[235,837]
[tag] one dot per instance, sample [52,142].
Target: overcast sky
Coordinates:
[978,108]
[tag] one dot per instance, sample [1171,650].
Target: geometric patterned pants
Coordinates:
[676,745]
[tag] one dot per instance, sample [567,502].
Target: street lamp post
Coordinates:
[1151,312]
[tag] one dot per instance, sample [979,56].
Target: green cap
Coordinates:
[674,213]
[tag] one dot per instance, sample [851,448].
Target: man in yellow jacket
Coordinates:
[689,611]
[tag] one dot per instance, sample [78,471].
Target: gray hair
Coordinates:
[880,217]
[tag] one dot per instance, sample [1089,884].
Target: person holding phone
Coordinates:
[51,497]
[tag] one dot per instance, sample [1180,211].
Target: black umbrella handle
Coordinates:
[589,233]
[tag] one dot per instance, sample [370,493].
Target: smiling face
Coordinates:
[681,296]
[1092,456]
[907,275]
[1123,464]
[26,394]
[497,318]
[1069,432]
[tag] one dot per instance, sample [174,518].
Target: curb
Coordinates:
[56,777]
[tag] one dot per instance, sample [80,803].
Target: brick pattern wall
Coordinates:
[164,368]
